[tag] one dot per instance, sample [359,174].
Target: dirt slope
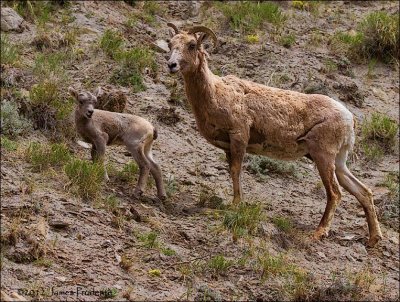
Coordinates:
[81,244]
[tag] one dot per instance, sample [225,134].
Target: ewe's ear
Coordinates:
[73,92]
[201,39]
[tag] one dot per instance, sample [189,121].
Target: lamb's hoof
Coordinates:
[162,197]
[374,240]
[137,194]
[320,233]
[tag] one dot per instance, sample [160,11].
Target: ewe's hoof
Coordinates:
[320,233]
[374,240]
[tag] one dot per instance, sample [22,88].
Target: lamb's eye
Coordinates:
[81,102]
[192,46]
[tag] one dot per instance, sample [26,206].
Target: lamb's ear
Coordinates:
[73,92]
[98,91]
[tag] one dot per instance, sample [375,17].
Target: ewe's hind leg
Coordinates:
[363,194]
[155,171]
[326,167]
[137,154]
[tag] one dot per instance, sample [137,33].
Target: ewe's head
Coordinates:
[186,50]
[85,101]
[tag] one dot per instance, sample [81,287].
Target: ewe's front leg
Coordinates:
[235,160]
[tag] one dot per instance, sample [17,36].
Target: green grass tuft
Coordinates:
[9,52]
[243,219]
[219,264]
[86,177]
[283,223]
[111,42]
[43,156]
[249,16]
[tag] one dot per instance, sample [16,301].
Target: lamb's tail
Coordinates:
[155,134]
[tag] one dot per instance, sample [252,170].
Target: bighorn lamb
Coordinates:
[240,116]
[101,128]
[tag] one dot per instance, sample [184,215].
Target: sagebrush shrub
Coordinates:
[12,123]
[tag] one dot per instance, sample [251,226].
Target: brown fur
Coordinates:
[240,116]
[101,128]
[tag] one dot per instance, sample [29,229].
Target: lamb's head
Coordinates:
[186,50]
[85,101]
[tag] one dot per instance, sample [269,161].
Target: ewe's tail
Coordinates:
[155,134]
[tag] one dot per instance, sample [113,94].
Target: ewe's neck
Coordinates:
[199,87]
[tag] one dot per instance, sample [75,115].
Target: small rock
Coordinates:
[321,254]
[135,214]
[84,144]
[10,20]
[59,224]
[359,250]
[106,244]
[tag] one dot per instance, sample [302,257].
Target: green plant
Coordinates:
[372,151]
[371,68]
[155,272]
[111,42]
[129,172]
[274,265]
[283,223]
[168,252]
[248,15]
[252,39]
[43,156]
[389,207]
[171,186]
[12,124]
[87,177]
[149,240]
[111,203]
[132,63]
[330,66]
[261,165]
[287,40]
[44,262]
[380,36]
[219,265]
[243,219]
[9,52]
[50,65]
[379,128]
[377,36]
[8,144]
[40,12]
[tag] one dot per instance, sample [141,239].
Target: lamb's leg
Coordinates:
[144,169]
[237,152]
[326,167]
[98,154]
[363,194]
[155,171]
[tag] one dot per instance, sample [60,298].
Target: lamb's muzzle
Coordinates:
[242,117]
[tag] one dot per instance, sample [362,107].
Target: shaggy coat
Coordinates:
[240,116]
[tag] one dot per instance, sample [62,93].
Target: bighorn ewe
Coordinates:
[101,128]
[240,116]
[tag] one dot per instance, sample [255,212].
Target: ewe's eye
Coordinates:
[192,46]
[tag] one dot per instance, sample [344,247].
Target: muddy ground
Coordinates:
[82,243]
